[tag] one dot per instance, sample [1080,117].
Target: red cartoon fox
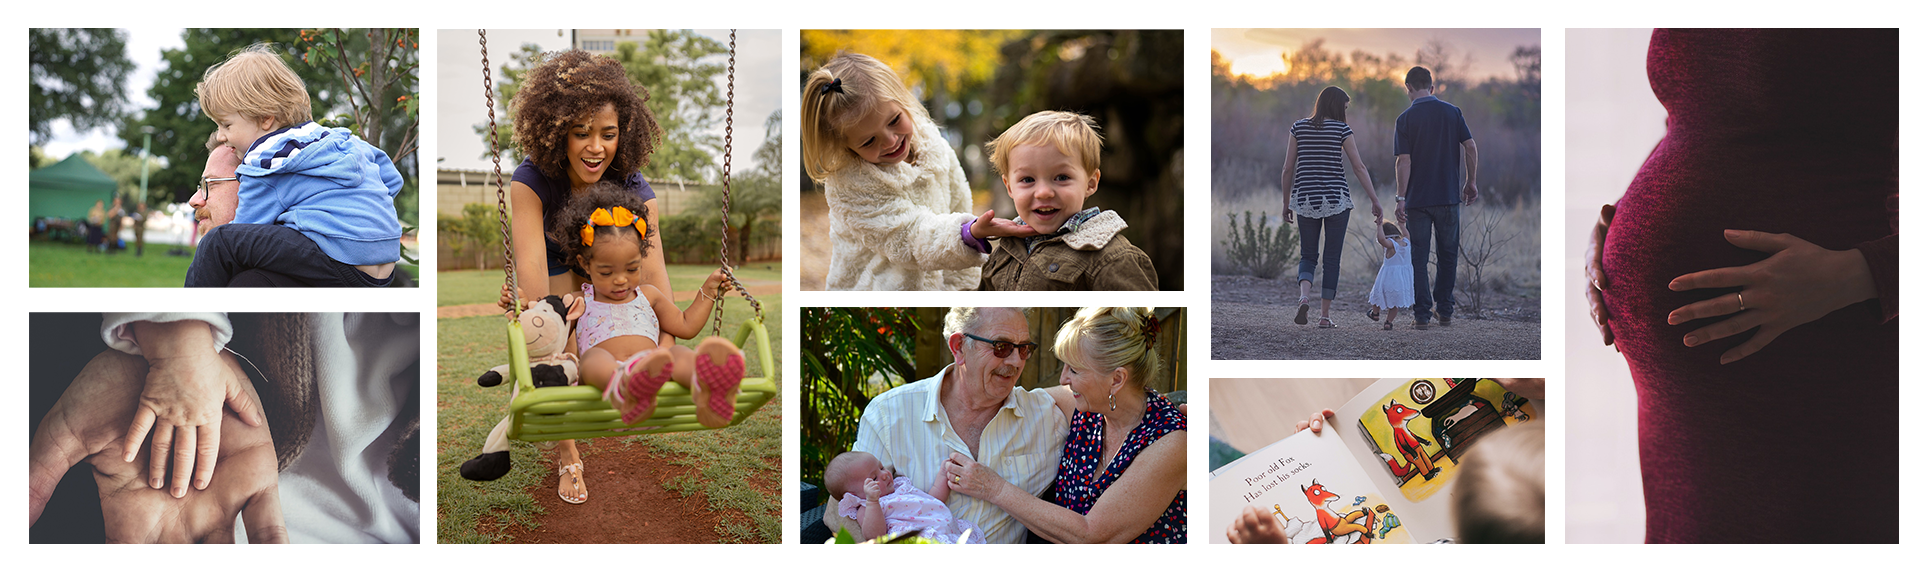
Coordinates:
[1407,444]
[1334,525]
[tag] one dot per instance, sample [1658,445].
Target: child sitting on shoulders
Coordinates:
[316,204]
[890,504]
[1049,164]
[1394,287]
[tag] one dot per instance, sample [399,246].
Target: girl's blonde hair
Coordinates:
[1106,338]
[847,88]
[257,84]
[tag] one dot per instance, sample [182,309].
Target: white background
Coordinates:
[1559,272]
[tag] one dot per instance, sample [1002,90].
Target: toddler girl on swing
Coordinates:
[604,230]
[1394,287]
[899,203]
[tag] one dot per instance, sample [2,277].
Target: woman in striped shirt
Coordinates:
[1315,190]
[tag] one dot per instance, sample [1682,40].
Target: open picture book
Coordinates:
[1382,472]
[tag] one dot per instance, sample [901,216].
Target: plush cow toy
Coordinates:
[545,331]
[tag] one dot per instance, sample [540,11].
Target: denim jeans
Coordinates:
[1426,224]
[231,254]
[1335,243]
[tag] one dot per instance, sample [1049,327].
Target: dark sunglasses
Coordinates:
[1002,349]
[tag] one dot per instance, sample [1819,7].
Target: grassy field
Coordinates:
[69,265]
[471,287]
[719,458]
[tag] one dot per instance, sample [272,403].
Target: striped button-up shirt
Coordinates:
[906,428]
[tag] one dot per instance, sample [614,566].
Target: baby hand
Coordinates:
[873,490]
[988,226]
[182,403]
[716,282]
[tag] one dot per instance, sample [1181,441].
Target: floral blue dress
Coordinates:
[1076,488]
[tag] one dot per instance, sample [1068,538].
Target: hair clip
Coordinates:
[836,84]
[1150,330]
[618,216]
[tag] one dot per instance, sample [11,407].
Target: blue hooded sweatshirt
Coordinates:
[331,186]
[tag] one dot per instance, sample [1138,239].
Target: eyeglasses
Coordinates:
[1002,349]
[208,182]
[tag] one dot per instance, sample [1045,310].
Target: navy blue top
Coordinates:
[553,193]
[1431,131]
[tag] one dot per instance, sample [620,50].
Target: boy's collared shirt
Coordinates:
[1431,131]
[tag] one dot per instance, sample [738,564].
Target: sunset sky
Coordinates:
[1256,51]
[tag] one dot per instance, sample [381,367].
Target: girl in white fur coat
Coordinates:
[899,204]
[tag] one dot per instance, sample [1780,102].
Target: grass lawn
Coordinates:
[471,287]
[466,412]
[69,265]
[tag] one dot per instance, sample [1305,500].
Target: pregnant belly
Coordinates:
[1671,222]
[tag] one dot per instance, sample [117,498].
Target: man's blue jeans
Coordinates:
[227,254]
[1425,224]
[1335,243]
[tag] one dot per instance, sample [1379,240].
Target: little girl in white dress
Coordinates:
[1394,287]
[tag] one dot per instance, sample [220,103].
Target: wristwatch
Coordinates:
[1399,199]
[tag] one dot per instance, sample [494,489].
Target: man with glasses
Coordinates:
[973,406]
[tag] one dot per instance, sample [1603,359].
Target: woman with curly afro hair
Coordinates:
[580,121]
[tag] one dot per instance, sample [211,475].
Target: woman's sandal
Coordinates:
[572,473]
[637,381]
[1303,309]
[719,374]
[1326,323]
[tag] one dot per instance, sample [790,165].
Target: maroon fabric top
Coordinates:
[1787,131]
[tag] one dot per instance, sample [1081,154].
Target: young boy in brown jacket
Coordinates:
[1049,163]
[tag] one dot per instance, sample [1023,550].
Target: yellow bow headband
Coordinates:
[618,216]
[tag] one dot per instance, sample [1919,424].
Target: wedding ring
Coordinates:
[1740,300]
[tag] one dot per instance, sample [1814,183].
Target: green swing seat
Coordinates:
[561,413]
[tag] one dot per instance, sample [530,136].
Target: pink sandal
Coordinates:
[637,381]
[719,374]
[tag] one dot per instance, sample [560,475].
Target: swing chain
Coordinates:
[723,251]
[501,196]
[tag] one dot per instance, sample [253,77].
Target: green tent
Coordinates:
[67,189]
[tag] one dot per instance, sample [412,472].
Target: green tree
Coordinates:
[475,233]
[181,130]
[756,193]
[514,69]
[75,74]
[849,350]
[125,168]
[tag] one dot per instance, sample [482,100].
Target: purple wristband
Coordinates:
[980,245]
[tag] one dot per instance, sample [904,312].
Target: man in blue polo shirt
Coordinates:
[1429,139]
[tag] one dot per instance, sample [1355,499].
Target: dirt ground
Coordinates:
[627,503]
[1252,319]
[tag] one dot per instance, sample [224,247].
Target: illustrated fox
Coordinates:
[1334,525]
[1408,444]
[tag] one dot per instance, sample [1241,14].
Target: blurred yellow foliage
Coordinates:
[942,59]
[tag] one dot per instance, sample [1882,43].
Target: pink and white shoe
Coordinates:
[633,387]
[719,375]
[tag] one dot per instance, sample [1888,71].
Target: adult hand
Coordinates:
[972,479]
[85,424]
[1799,283]
[1254,526]
[1317,422]
[1399,209]
[1378,214]
[1469,193]
[1597,275]
[989,225]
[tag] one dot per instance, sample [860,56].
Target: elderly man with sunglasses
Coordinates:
[973,407]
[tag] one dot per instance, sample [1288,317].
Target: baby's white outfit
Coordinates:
[1394,287]
[897,227]
[603,321]
[909,509]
